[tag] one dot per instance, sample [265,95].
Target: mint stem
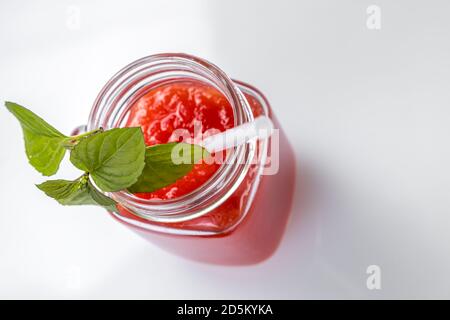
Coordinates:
[87,134]
[70,142]
[84,178]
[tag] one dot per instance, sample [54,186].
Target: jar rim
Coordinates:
[118,94]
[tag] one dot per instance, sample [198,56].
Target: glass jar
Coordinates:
[239,215]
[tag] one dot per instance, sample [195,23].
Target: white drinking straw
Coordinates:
[260,128]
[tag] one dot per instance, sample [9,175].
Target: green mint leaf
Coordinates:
[43,143]
[114,158]
[44,153]
[67,192]
[102,200]
[31,121]
[77,192]
[160,170]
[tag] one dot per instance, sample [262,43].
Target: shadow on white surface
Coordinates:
[297,270]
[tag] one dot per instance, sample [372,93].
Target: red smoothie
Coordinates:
[179,106]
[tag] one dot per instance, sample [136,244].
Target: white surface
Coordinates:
[366,110]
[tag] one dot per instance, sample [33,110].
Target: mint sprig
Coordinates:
[116,159]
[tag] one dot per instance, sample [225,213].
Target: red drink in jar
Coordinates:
[230,213]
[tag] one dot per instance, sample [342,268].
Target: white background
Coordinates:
[367,112]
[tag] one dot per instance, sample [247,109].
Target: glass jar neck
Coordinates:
[112,107]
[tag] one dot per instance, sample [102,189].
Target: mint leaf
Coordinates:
[44,153]
[160,170]
[44,145]
[67,192]
[77,192]
[100,199]
[31,121]
[114,158]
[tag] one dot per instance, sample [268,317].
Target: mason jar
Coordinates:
[239,215]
